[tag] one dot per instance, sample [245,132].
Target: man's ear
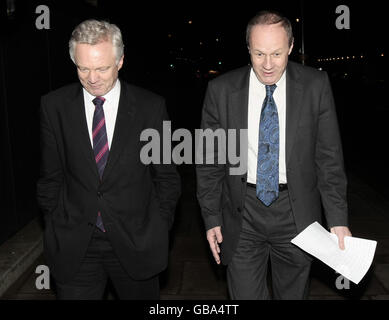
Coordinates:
[291,47]
[120,64]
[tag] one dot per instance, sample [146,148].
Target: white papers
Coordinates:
[352,263]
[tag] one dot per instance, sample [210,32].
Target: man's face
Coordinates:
[269,52]
[96,67]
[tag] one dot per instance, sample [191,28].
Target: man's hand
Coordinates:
[341,232]
[214,237]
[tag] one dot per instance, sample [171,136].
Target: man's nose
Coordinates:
[268,64]
[93,76]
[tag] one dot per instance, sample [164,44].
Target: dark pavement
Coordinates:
[192,274]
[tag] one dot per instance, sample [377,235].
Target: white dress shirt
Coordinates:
[110,108]
[257,94]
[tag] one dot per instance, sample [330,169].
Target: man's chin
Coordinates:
[269,79]
[95,91]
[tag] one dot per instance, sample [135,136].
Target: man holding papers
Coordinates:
[353,262]
[295,165]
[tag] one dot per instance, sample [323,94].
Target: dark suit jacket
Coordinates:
[314,159]
[136,201]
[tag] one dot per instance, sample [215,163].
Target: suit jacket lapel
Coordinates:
[239,101]
[294,93]
[123,126]
[238,109]
[77,117]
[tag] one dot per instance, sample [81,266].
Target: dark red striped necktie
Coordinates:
[100,144]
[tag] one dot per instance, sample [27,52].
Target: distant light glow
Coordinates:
[344,58]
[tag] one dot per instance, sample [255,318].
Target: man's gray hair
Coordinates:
[93,32]
[268,17]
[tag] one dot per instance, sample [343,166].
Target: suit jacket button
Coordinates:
[99,194]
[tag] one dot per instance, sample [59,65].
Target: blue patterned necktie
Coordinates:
[100,144]
[268,151]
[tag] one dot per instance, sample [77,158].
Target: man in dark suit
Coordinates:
[294,165]
[107,214]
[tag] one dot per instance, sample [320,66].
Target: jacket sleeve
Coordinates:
[165,176]
[51,175]
[332,180]
[210,173]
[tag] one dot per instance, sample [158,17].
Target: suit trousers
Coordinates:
[99,264]
[265,237]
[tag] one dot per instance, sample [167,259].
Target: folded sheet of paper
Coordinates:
[352,263]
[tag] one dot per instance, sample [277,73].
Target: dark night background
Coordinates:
[170,48]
